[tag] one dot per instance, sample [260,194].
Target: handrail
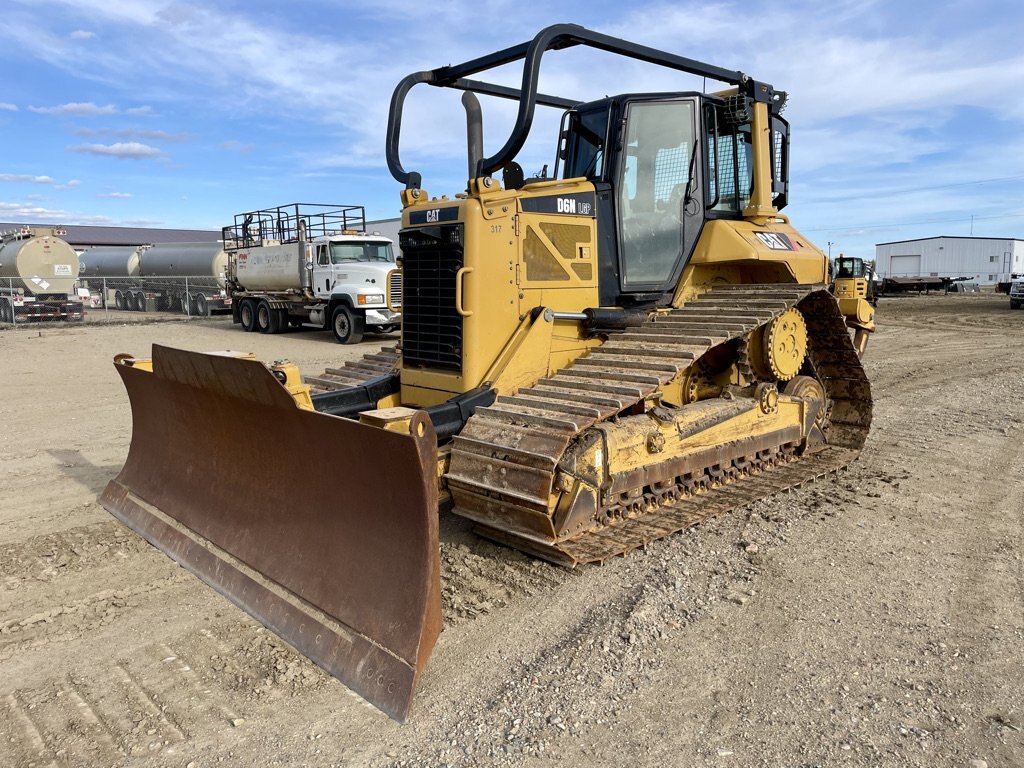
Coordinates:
[554,37]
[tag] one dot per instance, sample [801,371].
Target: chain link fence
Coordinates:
[119,299]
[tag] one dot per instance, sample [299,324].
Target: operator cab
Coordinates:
[849,267]
[662,164]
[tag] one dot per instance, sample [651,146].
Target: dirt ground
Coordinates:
[873,618]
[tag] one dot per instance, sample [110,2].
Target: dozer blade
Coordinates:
[323,529]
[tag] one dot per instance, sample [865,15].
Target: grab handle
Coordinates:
[458,291]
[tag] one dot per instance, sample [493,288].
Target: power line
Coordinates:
[946,220]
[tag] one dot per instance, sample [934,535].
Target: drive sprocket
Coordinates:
[776,351]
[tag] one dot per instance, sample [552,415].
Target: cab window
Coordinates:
[346,253]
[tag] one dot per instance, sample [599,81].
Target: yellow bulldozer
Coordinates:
[853,287]
[590,360]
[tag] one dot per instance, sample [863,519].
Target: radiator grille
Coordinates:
[396,289]
[431,328]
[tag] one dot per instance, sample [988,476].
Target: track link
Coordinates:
[355,372]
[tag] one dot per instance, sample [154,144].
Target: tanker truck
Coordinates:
[185,277]
[37,273]
[312,264]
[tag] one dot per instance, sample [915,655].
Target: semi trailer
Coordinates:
[185,277]
[311,264]
[37,275]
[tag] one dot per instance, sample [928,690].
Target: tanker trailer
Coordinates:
[38,271]
[188,277]
[113,270]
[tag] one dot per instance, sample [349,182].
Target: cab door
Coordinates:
[659,208]
[323,274]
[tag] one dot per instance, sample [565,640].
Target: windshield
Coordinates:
[849,267]
[346,253]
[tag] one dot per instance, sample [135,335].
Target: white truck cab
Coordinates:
[350,276]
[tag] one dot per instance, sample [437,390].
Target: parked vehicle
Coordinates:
[37,276]
[1017,293]
[312,264]
[185,277]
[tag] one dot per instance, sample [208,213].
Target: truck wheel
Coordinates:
[119,300]
[4,312]
[202,306]
[247,315]
[264,317]
[348,328]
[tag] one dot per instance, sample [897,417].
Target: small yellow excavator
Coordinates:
[589,361]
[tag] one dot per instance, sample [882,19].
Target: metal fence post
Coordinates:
[14,312]
[188,300]
[106,307]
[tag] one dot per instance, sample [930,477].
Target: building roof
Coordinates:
[948,237]
[80,235]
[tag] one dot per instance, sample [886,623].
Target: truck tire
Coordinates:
[119,300]
[6,312]
[133,301]
[202,306]
[265,318]
[1014,304]
[247,315]
[348,327]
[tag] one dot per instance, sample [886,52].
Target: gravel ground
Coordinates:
[872,618]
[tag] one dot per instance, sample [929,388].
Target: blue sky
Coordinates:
[906,119]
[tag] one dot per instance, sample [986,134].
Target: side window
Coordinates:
[730,171]
[321,255]
[586,146]
[652,189]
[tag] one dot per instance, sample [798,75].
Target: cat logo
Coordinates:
[434,216]
[775,241]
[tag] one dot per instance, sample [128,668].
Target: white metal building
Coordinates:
[985,260]
[387,227]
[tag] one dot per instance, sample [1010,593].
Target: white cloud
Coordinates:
[124,149]
[116,194]
[132,134]
[81,109]
[71,184]
[6,107]
[23,213]
[26,177]
[81,34]
[144,111]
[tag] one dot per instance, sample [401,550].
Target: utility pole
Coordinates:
[830,244]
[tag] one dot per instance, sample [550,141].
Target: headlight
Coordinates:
[371,298]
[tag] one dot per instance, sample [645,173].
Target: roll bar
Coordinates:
[555,37]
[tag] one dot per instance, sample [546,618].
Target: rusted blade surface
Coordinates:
[323,529]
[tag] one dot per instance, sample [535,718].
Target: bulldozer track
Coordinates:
[507,454]
[355,372]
